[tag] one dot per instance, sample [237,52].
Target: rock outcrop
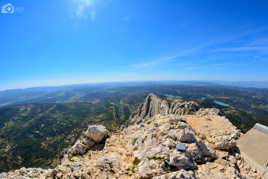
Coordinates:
[169,145]
[177,175]
[154,104]
[166,140]
[93,135]
[218,130]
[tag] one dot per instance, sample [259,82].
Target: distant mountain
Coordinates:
[245,84]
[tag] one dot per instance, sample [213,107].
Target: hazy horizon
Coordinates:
[256,84]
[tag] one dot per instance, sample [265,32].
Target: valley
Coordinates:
[36,130]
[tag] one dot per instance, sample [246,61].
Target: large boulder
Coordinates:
[96,132]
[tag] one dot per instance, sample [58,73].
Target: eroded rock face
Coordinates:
[157,145]
[154,105]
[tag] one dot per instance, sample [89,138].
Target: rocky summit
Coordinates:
[165,139]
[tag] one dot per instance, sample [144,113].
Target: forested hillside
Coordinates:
[36,129]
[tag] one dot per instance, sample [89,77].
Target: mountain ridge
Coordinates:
[166,138]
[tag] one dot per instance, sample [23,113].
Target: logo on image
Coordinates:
[7,9]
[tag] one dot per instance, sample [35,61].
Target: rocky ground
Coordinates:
[165,139]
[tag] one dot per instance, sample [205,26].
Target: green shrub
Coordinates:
[136,162]
[134,141]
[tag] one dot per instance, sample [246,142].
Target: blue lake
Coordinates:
[172,96]
[203,98]
[221,104]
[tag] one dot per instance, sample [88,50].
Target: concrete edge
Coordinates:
[261,128]
[261,169]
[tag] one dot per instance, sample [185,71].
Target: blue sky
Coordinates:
[57,42]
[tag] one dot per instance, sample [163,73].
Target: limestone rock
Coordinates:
[186,135]
[177,175]
[81,146]
[181,160]
[109,163]
[207,111]
[27,173]
[155,146]
[96,132]
[149,168]
[154,105]
[217,130]
[207,152]
[93,135]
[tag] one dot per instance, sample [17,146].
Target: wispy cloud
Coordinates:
[210,44]
[239,49]
[168,59]
[85,9]
[153,62]
[259,42]
[207,66]
[257,45]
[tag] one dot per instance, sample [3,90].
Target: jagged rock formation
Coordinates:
[156,105]
[158,144]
